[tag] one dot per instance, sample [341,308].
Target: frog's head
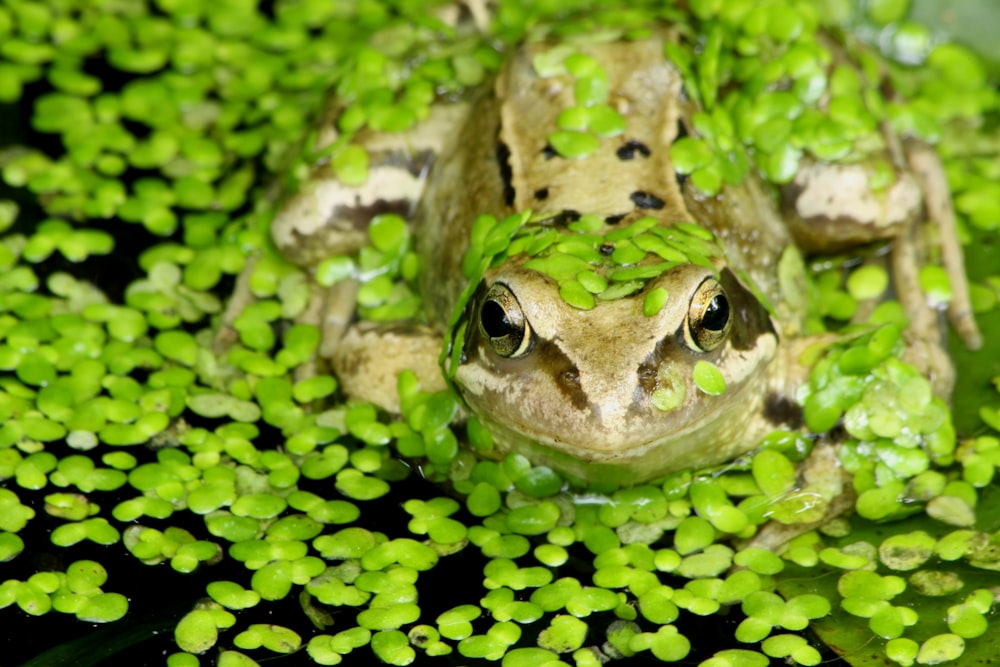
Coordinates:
[610,391]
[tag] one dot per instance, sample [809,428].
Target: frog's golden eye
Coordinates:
[502,322]
[708,318]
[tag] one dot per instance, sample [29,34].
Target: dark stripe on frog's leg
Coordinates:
[326,218]
[388,167]
[359,215]
[782,411]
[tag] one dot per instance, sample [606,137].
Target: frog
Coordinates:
[689,348]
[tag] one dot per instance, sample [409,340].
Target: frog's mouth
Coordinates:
[595,453]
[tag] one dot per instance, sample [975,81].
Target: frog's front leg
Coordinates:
[367,357]
[370,356]
[821,478]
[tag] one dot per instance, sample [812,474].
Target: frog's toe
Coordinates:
[933,362]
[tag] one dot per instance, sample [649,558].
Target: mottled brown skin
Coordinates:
[579,397]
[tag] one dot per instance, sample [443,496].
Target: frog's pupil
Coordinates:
[716,313]
[495,320]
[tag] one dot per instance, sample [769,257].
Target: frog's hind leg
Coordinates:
[831,207]
[925,334]
[927,167]
[328,217]
[912,248]
[368,358]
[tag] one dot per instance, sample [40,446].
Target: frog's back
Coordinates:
[503,161]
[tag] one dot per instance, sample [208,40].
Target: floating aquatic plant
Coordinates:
[152,434]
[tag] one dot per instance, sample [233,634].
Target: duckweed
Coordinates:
[198,631]
[241,420]
[563,635]
[940,648]
[587,265]
[708,378]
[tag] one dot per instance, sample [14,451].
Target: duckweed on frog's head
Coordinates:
[280,504]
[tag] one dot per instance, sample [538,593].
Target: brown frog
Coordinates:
[687,349]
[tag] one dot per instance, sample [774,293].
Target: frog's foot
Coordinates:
[331,310]
[932,360]
[226,335]
[925,335]
[482,13]
[370,356]
[926,166]
[821,475]
[774,535]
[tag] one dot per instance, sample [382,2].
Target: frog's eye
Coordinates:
[708,319]
[502,322]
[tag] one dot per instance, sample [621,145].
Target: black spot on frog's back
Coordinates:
[631,148]
[506,173]
[646,200]
[564,217]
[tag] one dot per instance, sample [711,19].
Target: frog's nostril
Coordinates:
[570,377]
